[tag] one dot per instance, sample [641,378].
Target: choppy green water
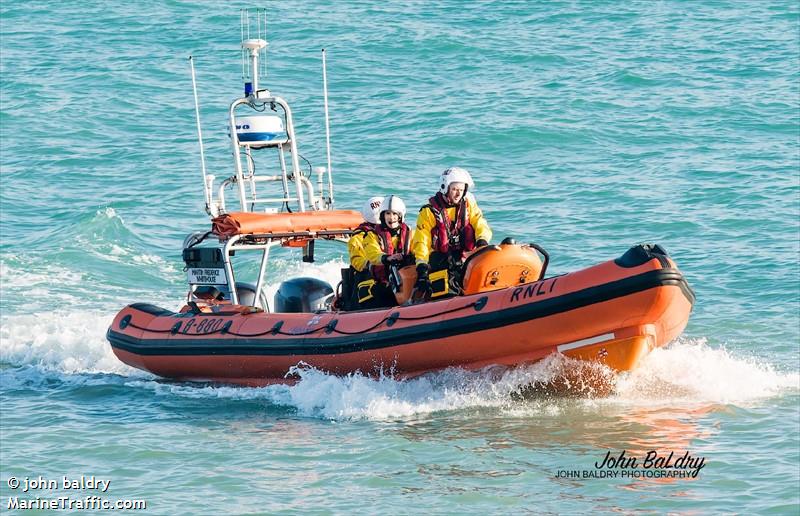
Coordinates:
[588,126]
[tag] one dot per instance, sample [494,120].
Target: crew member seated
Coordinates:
[359,265]
[448,227]
[386,247]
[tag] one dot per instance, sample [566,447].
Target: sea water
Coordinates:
[587,126]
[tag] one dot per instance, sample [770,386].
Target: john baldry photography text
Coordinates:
[650,464]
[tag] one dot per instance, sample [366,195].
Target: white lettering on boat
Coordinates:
[202,276]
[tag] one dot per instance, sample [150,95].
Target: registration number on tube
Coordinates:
[200,276]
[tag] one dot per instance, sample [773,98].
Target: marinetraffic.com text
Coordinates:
[78,493]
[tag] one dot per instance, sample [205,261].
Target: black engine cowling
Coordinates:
[301,295]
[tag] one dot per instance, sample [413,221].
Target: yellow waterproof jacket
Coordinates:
[355,246]
[422,245]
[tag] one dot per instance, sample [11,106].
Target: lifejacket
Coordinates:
[450,237]
[385,239]
[364,227]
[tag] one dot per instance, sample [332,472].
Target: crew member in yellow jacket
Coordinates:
[387,245]
[448,227]
[355,246]
[359,265]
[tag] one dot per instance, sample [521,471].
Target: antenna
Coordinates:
[207,180]
[327,129]
[254,44]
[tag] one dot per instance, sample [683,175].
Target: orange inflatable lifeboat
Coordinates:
[511,313]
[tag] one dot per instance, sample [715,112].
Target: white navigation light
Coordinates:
[254,45]
[259,128]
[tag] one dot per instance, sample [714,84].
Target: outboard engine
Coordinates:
[246,292]
[299,295]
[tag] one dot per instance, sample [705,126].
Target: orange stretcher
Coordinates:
[303,223]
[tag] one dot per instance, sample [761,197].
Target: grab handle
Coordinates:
[546,259]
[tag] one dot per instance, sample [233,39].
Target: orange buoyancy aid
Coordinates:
[385,239]
[457,237]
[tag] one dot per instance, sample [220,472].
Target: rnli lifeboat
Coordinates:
[613,313]
[510,311]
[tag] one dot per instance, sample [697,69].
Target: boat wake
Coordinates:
[71,348]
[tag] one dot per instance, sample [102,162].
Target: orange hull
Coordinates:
[613,313]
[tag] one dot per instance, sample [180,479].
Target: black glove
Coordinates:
[481,243]
[423,284]
[387,259]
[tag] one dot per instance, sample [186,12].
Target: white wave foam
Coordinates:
[360,397]
[109,213]
[118,254]
[13,277]
[691,371]
[354,396]
[128,255]
[59,344]
[686,373]
[152,259]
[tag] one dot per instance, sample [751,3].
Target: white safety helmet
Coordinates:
[371,210]
[395,204]
[455,175]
